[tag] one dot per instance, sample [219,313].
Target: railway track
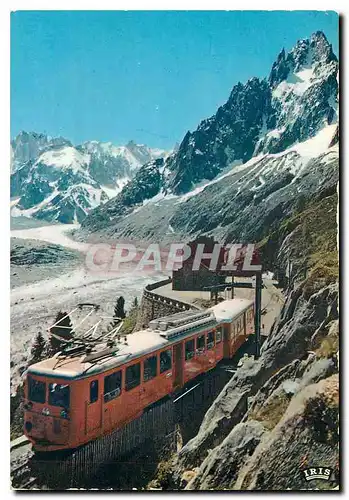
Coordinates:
[21,472]
[22,479]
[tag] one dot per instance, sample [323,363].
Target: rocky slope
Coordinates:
[56,181]
[263,150]
[33,260]
[33,252]
[279,414]
[243,204]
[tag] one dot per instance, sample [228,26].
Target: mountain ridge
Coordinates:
[263,117]
[55,180]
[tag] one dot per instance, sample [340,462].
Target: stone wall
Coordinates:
[155,306]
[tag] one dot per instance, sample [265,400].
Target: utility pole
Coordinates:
[257,316]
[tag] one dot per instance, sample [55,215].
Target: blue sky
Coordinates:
[146,76]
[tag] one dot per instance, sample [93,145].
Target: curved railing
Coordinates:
[149,293]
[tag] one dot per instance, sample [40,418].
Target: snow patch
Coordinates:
[238,168]
[56,234]
[276,133]
[29,212]
[65,158]
[316,145]
[120,184]
[296,83]
[14,201]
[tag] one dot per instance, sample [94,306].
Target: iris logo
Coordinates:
[317,473]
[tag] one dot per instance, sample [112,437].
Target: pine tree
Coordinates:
[63,328]
[37,352]
[119,310]
[130,321]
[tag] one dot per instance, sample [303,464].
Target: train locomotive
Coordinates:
[93,388]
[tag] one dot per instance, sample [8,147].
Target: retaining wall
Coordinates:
[154,305]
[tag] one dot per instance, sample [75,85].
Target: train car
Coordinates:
[75,397]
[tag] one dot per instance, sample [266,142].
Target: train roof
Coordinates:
[161,333]
[227,310]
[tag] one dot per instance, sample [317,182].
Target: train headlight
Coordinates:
[64,414]
[46,412]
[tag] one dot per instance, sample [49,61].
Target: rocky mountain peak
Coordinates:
[321,48]
[27,146]
[279,70]
[261,115]
[305,53]
[131,144]
[55,180]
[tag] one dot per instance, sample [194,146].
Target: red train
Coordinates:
[76,396]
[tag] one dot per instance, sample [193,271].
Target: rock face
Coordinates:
[145,184]
[296,443]
[219,469]
[263,115]
[265,149]
[230,135]
[271,397]
[304,92]
[55,180]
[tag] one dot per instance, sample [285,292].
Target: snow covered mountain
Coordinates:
[294,103]
[272,144]
[54,180]
[27,146]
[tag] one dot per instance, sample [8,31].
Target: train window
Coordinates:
[59,395]
[165,361]
[200,344]
[93,391]
[133,376]
[233,328]
[210,340]
[189,349]
[150,368]
[218,335]
[36,390]
[112,386]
